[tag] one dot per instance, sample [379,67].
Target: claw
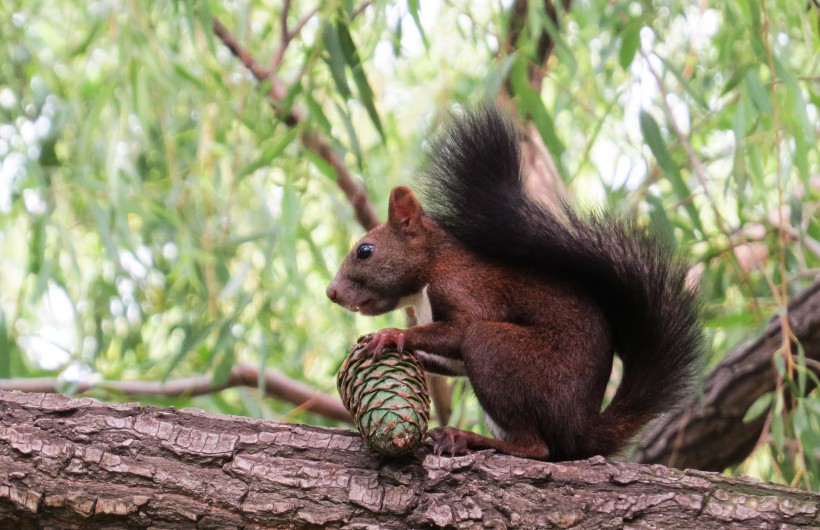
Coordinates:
[376,343]
[448,440]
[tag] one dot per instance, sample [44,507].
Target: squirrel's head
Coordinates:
[390,262]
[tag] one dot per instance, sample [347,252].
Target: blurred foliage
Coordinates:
[157,219]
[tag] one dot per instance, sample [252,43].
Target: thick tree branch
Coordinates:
[352,188]
[72,463]
[709,433]
[275,385]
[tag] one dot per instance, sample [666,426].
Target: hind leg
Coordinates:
[453,441]
[523,387]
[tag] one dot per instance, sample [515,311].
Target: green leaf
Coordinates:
[321,164]
[184,73]
[222,372]
[318,259]
[652,136]
[760,405]
[560,48]
[734,81]
[193,336]
[413,7]
[270,153]
[660,221]
[802,131]
[497,76]
[630,42]
[531,105]
[739,126]
[359,77]
[336,61]
[37,245]
[206,20]
[291,217]
[395,38]
[317,115]
[351,134]
[780,366]
[801,369]
[349,7]
[757,93]
[800,419]
[694,94]
[778,432]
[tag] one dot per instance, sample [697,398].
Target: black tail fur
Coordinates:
[473,188]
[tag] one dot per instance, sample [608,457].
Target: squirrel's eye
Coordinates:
[364,251]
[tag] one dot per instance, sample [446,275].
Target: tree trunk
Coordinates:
[78,463]
[710,433]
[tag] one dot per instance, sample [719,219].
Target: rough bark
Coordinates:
[78,463]
[709,433]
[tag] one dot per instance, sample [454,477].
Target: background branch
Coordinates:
[350,185]
[710,433]
[273,384]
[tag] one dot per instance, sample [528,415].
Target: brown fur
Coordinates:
[537,352]
[529,303]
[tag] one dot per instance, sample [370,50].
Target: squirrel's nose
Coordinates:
[332,293]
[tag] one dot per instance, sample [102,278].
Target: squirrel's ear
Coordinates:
[404,209]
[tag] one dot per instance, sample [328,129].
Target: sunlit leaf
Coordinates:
[413,7]
[336,61]
[630,42]
[652,137]
[759,406]
[532,106]
[351,55]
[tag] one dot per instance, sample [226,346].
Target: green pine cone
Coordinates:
[388,399]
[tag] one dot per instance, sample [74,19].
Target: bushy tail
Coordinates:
[473,188]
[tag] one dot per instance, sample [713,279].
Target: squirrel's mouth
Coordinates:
[364,303]
[374,306]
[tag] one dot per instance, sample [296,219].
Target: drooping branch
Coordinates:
[352,188]
[287,34]
[274,385]
[72,463]
[709,433]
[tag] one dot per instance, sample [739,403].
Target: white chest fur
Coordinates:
[420,302]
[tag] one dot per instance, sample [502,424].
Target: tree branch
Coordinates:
[709,433]
[352,188]
[275,385]
[546,42]
[287,35]
[78,463]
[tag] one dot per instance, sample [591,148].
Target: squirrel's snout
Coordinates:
[332,293]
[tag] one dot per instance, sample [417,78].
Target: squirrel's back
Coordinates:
[473,189]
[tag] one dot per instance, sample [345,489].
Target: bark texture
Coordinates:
[709,433]
[78,463]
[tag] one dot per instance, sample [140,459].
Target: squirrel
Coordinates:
[531,304]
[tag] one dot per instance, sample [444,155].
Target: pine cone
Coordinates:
[388,399]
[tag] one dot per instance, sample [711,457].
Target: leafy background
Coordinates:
[164,214]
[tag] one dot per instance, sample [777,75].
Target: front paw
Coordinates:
[376,343]
[448,440]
